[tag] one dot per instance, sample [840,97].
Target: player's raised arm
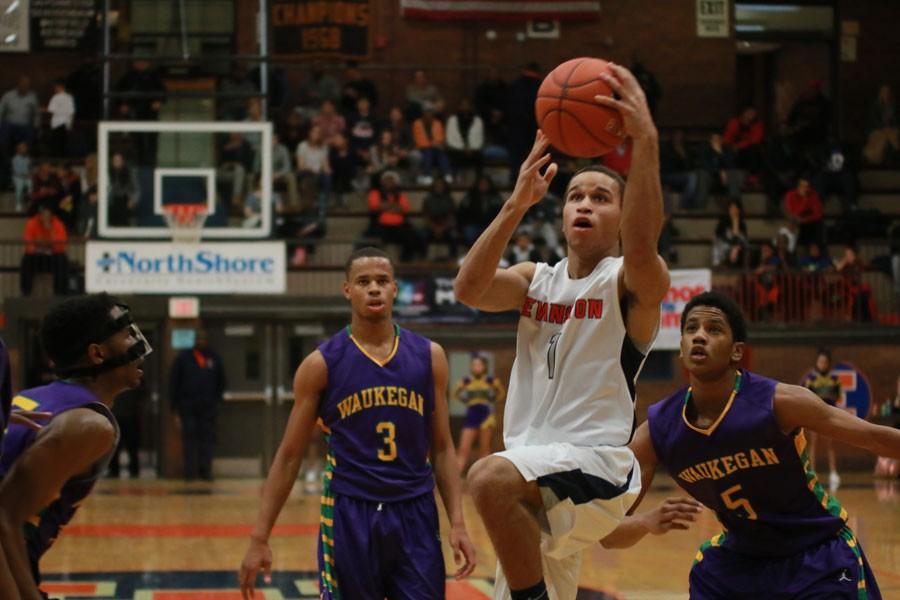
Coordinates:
[479,283]
[446,468]
[309,381]
[646,277]
[64,449]
[796,406]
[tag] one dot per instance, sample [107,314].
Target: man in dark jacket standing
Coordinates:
[196,388]
[520,115]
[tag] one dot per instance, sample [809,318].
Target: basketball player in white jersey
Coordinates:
[567,476]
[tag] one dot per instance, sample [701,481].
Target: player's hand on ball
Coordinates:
[631,103]
[672,513]
[463,550]
[531,186]
[258,558]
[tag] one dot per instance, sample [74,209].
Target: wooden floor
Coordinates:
[166,540]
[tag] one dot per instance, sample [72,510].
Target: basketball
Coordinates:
[568,114]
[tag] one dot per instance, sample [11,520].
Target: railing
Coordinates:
[796,298]
[810,298]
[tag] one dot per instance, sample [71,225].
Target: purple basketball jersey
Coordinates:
[55,398]
[378,418]
[758,480]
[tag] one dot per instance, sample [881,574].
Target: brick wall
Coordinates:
[697,75]
[878,48]
[786,363]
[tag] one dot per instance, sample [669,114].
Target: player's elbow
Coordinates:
[466,292]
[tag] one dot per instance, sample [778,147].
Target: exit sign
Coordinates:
[184,307]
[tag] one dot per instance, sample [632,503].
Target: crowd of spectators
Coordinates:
[337,141]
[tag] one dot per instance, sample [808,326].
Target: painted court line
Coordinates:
[178,531]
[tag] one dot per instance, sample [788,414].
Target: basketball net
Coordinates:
[185,221]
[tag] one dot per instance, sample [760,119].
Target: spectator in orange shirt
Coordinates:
[804,207]
[428,133]
[388,207]
[45,251]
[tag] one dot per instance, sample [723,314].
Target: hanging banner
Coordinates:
[203,268]
[686,283]
[506,10]
[321,29]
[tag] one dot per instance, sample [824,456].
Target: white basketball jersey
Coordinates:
[575,368]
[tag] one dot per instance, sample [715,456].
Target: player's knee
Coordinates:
[489,475]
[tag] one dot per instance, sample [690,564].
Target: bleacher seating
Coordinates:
[322,273]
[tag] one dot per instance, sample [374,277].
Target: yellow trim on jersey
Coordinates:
[712,428]
[24,403]
[828,502]
[372,358]
[489,422]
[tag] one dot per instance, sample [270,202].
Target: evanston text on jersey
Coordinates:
[718,468]
[382,395]
[550,312]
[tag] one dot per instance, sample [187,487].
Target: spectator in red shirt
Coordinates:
[45,251]
[804,207]
[745,131]
[388,207]
[744,139]
[619,160]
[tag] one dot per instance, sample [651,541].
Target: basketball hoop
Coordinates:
[185,221]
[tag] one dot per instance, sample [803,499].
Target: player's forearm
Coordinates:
[276,490]
[446,473]
[14,556]
[8,588]
[883,441]
[642,207]
[481,262]
[630,531]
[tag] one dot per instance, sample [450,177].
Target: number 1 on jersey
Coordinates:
[388,453]
[551,355]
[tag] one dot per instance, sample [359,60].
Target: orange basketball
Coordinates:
[567,112]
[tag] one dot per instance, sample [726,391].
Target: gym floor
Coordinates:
[170,540]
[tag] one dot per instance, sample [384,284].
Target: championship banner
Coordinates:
[686,283]
[321,28]
[517,10]
[203,268]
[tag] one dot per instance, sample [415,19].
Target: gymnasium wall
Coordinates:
[697,75]
[787,363]
[878,57]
